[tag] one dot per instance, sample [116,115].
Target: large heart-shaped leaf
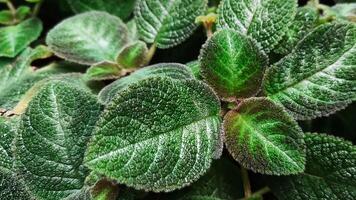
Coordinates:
[14,39]
[232,64]
[120,8]
[319,76]
[264,20]
[330,172]
[262,137]
[167,23]
[171,70]
[88,38]
[160,134]
[52,139]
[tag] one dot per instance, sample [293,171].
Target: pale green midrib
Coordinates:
[265,139]
[306,78]
[148,139]
[170,5]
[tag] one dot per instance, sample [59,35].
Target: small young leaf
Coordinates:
[6,17]
[264,20]
[305,20]
[160,134]
[318,77]
[330,172]
[22,12]
[52,140]
[133,55]
[171,70]
[14,39]
[167,23]
[88,38]
[120,8]
[195,68]
[262,137]
[232,64]
[103,71]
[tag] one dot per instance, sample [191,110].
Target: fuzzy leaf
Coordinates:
[264,20]
[171,70]
[304,22]
[133,55]
[120,8]
[232,64]
[168,142]
[88,38]
[262,137]
[319,76]
[53,136]
[6,17]
[103,71]
[195,68]
[330,172]
[167,23]
[17,38]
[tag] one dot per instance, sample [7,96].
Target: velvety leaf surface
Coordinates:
[194,67]
[330,172]
[167,23]
[262,137]
[232,64]
[305,20]
[88,38]
[120,8]
[16,38]
[53,137]
[319,76]
[160,134]
[103,71]
[264,20]
[133,55]
[171,70]
[221,182]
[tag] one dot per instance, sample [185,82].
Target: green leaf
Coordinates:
[167,23]
[18,77]
[195,68]
[222,182]
[6,17]
[120,8]
[171,70]
[160,134]
[133,55]
[330,172]
[17,38]
[265,21]
[304,22]
[232,64]
[53,136]
[262,137]
[88,38]
[103,71]
[342,11]
[319,76]
[132,30]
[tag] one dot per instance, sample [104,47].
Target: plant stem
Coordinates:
[37,8]
[261,191]
[246,182]
[151,52]
[12,10]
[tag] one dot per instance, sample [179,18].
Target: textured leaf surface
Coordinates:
[319,76]
[305,20]
[171,70]
[330,172]
[120,8]
[194,67]
[264,20]
[167,23]
[222,182]
[159,135]
[133,55]
[52,140]
[14,39]
[232,64]
[103,71]
[88,38]
[262,137]
[17,77]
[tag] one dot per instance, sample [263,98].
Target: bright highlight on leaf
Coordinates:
[262,137]
[319,76]
[330,172]
[52,140]
[167,143]
[232,64]
[167,23]
[266,21]
[14,39]
[88,38]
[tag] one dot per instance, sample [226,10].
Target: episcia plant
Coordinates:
[86,112]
